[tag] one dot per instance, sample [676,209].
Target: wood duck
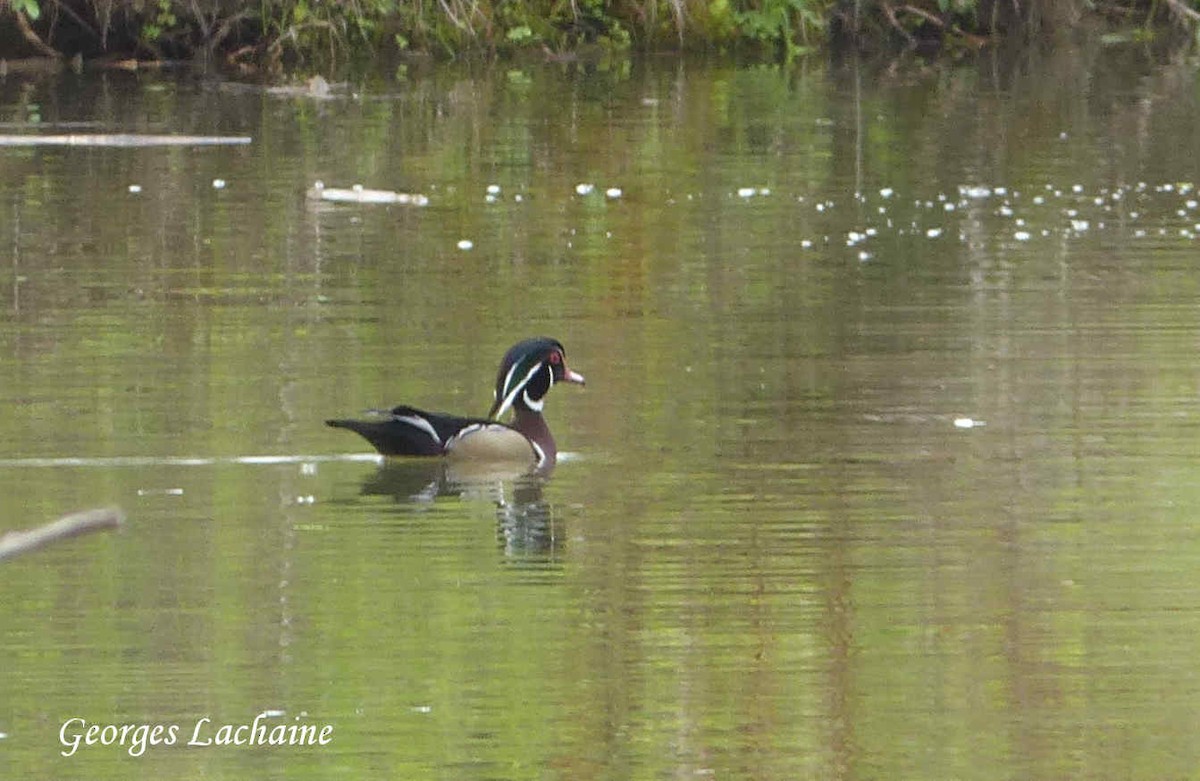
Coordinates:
[529,369]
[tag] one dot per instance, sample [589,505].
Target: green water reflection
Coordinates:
[883,469]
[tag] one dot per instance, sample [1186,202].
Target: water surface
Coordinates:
[883,468]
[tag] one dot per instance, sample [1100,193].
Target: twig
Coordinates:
[890,13]
[31,36]
[1179,9]
[79,20]
[456,21]
[205,25]
[921,12]
[18,542]
[678,9]
[225,29]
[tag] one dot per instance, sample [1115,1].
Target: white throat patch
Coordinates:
[536,406]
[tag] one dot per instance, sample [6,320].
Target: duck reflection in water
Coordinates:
[524,519]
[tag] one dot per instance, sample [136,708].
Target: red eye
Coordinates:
[556,358]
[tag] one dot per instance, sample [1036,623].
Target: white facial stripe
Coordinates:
[512,395]
[422,424]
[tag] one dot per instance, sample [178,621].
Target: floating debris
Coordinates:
[360,194]
[119,140]
[969,213]
[750,192]
[315,87]
[218,184]
[160,492]
[968,423]
[135,188]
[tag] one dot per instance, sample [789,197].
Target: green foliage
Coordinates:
[722,20]
[163,19]
[779,22]
[591,22]
[29,8]
[273,32]
[520,34]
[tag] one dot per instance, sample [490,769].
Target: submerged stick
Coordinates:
[18,542]
[119,140]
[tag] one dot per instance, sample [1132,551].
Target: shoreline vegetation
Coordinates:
[275,34]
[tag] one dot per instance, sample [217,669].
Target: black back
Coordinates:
[406,431]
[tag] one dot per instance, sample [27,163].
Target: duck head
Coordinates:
[528,371]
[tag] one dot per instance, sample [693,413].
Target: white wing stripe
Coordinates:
[422,424]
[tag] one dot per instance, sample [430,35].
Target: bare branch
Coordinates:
[31,36]
[1180,10]
[936,21]
[890,13]
[18,542]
